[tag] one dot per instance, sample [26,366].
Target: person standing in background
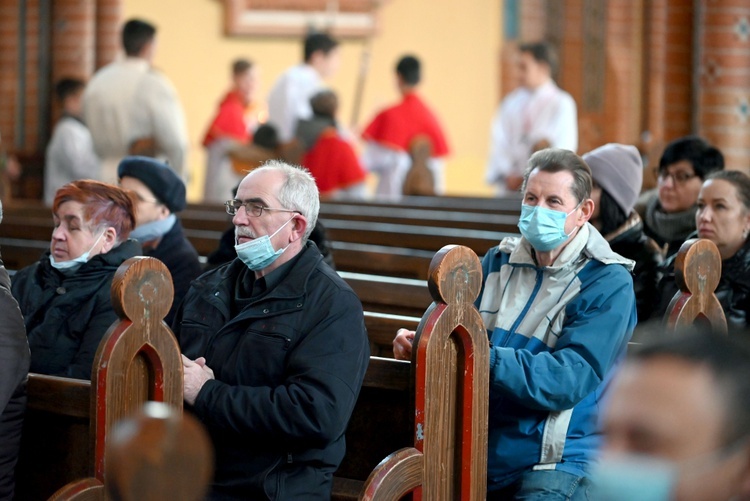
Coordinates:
[131,108]
[70,153]
[289,99]
[390,134]
[535,116]
[238,115]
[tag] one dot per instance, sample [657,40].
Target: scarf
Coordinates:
[669,227]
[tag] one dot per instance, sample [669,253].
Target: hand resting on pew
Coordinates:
[402,344]
[196,373]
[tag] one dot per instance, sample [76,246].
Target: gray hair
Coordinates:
[298,192]
[557,160]
[1,211]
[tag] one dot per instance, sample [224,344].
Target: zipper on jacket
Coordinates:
[537,285]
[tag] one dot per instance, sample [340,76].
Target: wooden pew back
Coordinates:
[68,421]
[697,273]
[450,361]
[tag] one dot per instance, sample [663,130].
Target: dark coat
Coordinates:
[630,241]
[14,369]
[733,291]
[66,317]
[181,259]
[288,371]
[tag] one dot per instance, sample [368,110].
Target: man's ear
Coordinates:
[587,210]
[298,229]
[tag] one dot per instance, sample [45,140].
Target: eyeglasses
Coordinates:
[679,177]
[253,209]
[141,198]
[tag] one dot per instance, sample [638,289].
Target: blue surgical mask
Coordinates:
[153,230]
[71,266]
[259,253]
[627,477]
[633,477]
[544,228]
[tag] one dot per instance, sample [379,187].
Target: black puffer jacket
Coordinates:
[288,368]
[733,291]
[14,369]
[631,242]
[66,317]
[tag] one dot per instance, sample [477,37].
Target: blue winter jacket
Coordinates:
[557,332]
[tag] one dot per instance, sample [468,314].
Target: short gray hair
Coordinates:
[557,160]
[298,192]
[1,211]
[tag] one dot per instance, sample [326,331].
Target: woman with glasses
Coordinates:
[65,296]
[722,216]
[669,216]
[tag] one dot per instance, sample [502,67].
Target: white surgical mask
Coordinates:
[259,252]
[70,266]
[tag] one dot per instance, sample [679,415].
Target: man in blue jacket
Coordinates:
[559,309]
[274,347]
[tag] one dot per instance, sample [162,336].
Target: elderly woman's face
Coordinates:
[72,235]
[721,216]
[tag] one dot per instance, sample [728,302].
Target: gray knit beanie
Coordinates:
[618,169]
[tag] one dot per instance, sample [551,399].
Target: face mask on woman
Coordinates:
[70,266]
[544,228]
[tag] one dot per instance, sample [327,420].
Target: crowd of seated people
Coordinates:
[560,301]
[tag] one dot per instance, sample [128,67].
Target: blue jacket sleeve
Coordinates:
[598,326]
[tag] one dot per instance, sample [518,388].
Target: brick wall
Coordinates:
[723,93]
[648,71]
[42,42]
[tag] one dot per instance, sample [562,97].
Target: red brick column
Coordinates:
[9,59]
[108,23]
[74,25]
[724,83]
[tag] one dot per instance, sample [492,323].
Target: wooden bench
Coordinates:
[450,370]
[68,421]
[697,273]
[389,249]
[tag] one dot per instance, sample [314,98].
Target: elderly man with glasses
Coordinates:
[274,347]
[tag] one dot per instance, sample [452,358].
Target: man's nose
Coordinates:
[241,217]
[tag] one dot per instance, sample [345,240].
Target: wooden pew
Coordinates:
[450,370]
[510,204]
[390,249]
[697,273]
[158,454]
[68,420]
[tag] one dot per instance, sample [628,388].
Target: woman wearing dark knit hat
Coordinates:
[617,172]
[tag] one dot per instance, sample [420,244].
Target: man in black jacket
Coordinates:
[161,193]
[274,347]
[14,369]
